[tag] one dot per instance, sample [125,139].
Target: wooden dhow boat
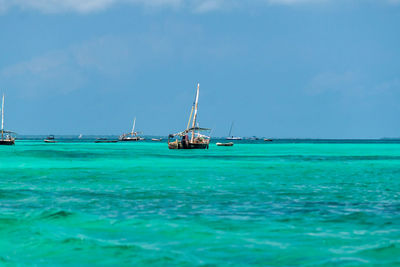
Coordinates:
[132,136]
[192,137]
[7,137]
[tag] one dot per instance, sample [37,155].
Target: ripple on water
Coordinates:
[141,204]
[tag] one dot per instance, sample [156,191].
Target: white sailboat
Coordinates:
[6,136]
[132,136]
[231,137]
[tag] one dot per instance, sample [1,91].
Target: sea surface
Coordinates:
[284,203]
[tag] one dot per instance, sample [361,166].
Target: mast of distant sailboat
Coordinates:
[195,110]
[190,117]
[230,130]
[133,127]
[2,119]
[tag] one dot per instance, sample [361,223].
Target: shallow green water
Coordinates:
[251,204]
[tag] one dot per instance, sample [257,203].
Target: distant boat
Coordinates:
[50,139]
[231,137]
[225,144]
[6,136]
[132,136]
[80,136]
[191,138]
[267,140]
[105,140]
[156,139]
[234,138]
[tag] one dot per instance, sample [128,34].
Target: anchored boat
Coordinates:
[225,144]
[50,139]
[132,136]
[105,140]
[7,137]
[192,137]
[231,137]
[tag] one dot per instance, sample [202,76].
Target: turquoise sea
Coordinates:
[139,204]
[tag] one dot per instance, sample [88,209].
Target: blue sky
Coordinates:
[278,68]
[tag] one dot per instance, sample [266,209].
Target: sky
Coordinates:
[277,68]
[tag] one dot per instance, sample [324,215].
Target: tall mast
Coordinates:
[191,113]
[2,119]
[133,128]
[230,130]
[195,110]
[190,117]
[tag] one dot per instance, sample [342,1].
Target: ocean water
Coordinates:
[140,204]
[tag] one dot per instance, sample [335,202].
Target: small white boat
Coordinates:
[234,138]
[231,137]
[156,139]
[50,139]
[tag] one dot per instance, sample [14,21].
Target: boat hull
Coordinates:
[50,141]
[129,139]
[225,144]
[7,142]
[189,145]
[233,138]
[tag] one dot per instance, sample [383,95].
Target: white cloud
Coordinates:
[80,6]
[298,2]
[106,61]
[208,5]
[201,6]
[293,2]
[68,69]
[87,6]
